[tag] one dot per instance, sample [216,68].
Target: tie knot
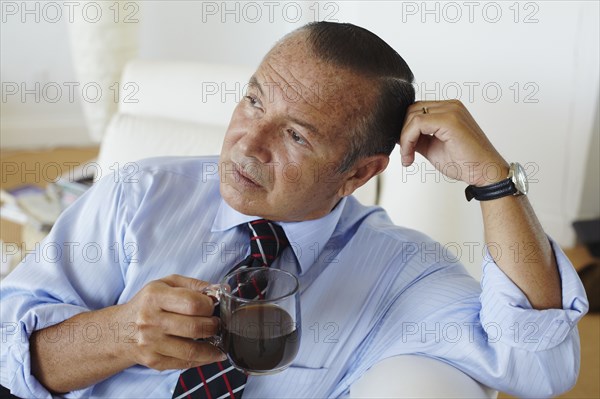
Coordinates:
[267,241]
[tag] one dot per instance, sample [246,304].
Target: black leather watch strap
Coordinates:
[493,191]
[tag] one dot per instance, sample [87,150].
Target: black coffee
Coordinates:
[260,337]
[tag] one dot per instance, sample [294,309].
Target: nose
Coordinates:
[258,140]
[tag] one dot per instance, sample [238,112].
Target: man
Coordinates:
[327,102]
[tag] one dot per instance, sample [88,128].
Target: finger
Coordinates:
[419,107]
[159,361]
[189,326]
[160,294]
[412,135]
[185,301]
[163,363]
[191,353]
[176,280]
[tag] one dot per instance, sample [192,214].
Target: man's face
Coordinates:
[289,134]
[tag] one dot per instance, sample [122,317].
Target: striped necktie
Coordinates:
[220,380]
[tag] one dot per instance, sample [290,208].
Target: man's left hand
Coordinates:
[446,134]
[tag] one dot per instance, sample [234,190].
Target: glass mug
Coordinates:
[260,330]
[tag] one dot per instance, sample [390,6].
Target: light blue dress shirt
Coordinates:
[369,290]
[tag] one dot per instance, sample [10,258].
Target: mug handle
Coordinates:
[214,292]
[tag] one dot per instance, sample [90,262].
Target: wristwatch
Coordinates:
[515,184]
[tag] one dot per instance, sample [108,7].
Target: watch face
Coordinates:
[520,179]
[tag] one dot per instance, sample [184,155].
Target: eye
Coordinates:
[252,100]
[296,137]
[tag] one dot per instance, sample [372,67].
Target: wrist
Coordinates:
[492,173]
[124,338]
[514,184]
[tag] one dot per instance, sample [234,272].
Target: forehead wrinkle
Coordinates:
[309,92]
[350,94]
[304,89]
[338,89]
[307,102]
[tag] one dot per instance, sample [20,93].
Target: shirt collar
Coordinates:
[307,238]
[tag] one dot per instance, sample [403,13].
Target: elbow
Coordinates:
[556,389]
[569,368]
[560,377]
[551,388]
[571,374]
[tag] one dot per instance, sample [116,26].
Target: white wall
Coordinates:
[590,197]
[194,30]
[35,54]
[547,54]
[553,59]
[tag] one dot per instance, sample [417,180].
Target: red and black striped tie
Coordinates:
[220,380]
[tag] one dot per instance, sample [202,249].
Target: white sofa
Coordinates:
[182,108]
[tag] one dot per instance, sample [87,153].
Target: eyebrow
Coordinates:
[312,129]
[254,82]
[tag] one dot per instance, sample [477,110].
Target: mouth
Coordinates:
[244,178]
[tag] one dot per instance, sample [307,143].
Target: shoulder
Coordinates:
[201,168]
[414,272]
[183,173]
[400,253]
[375,223]
[163,179]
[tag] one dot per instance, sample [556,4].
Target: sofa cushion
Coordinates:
[196,92]
[130,138]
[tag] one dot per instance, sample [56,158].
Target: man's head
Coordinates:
[321,116]
[365,53]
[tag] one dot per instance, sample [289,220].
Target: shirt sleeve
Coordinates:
[490,332]
[78,267]
[504,305]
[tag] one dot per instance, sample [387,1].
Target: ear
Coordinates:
[362,171]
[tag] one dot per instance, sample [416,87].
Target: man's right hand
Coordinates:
[169,315]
